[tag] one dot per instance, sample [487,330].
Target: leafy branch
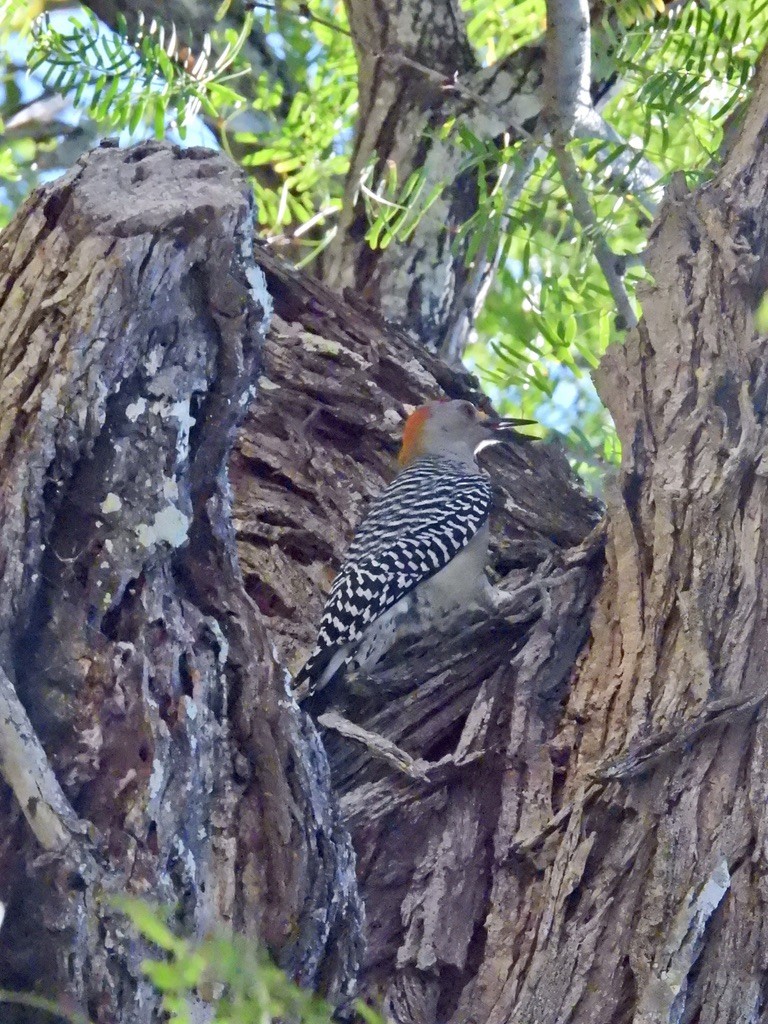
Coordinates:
[49,1006]
[123,80]
[674,82]
[233,980]
[232,975]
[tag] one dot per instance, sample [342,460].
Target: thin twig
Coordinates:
[447,85]
[379,746]
[475,287]
[416,769]
[527,153]
[34,1002]
[303,11]
[625,261]
[639,173]
[585,215]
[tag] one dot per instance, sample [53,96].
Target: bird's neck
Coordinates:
[459,454]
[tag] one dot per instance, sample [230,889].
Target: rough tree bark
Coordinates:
[131,338]
[581,836]
[605,859]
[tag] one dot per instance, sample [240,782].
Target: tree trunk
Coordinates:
[604,859]
[132,335]
[579,834]
[584,842]
[132,332]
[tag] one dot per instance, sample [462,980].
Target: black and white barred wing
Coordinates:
[435,499]
[417,526]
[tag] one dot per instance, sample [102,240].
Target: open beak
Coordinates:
[509,423]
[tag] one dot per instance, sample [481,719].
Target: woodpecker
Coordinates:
[420,553]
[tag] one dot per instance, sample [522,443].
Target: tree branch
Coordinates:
[568,65]
[637,173]
[302,11]
[25,768]
[475,288]
[582,210]
[567,77]
[414,75]
[378,746]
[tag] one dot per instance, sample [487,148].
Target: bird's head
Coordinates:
[455,429]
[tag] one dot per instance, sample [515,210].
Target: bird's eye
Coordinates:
[469,410]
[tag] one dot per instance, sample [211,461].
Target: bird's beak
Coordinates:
[508,424]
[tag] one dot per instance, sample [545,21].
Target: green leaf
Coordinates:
[147,921]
